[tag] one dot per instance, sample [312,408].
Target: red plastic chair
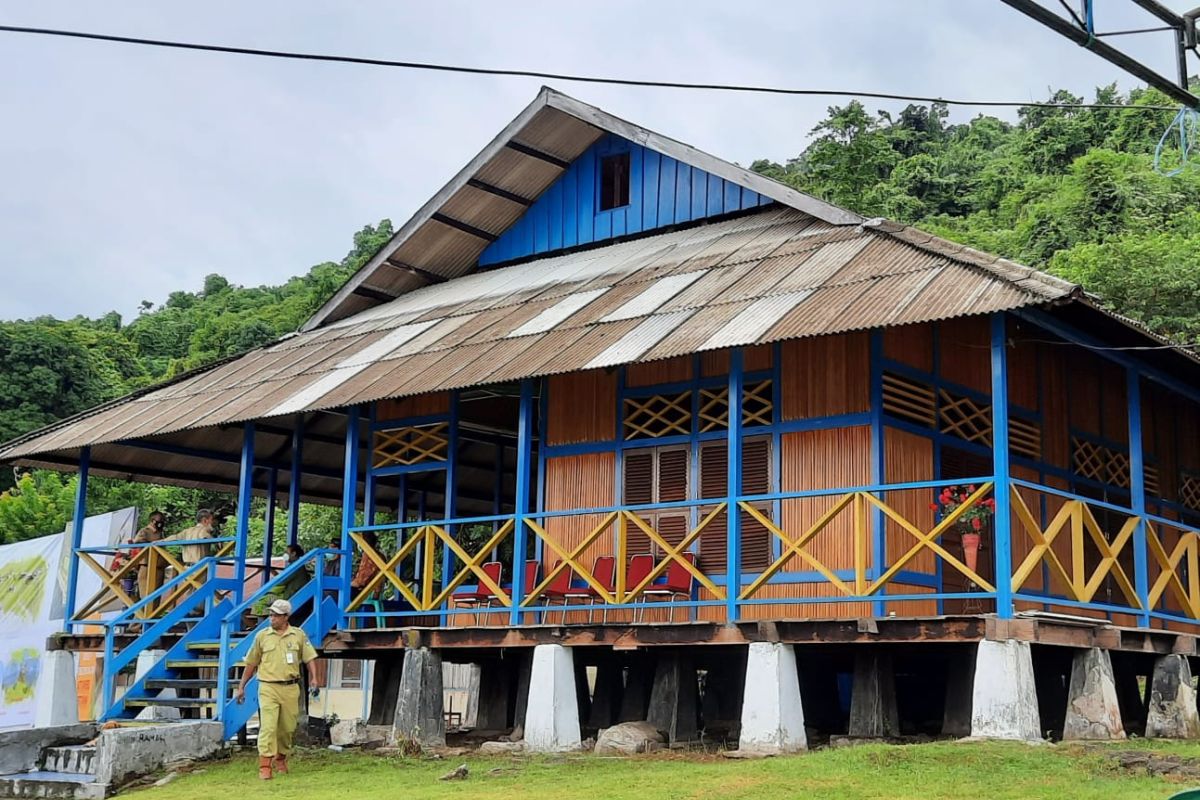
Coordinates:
[679,583]
[481,595]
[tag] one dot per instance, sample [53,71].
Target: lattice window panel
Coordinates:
[965,418]
[1025,438]
[1189,490]
[758,405]
[1151,479]
[412,444]
[714,409]
[1089,459]
[910,400]
[1118,468]
[658,415]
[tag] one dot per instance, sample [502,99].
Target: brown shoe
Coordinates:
[264,768]
[281,764]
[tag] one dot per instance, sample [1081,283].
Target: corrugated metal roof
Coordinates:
[772,274]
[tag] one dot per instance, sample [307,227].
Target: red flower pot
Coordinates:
[970,545]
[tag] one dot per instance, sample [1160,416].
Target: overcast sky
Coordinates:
[127,173]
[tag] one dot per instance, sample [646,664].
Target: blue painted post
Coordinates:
[878,523]
[77,520]
[521,509]
[733,515]
[448,498]
[269,524]
[297,474]
[1000,467]
[245,487]
[1137,493]
[349,504]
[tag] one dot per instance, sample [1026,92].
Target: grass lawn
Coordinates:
[993,771]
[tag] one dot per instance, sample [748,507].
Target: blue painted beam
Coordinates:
[1000,466]
[878,524]
[269,523]
[1137,492]
[244,497]
[733,517]
[296,478]
[349,504]
[521,501]
[79,515]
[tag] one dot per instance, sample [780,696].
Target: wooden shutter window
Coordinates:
[673,471]
[637,486]
[756,479]
[714,478]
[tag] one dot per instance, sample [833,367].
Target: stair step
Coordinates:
[43,784]
[210,645]
[171,702]
[73,759]
[193,663]
[181,683]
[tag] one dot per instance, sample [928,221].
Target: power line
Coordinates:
[558,76]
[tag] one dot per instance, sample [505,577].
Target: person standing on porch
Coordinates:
[276,656]
[203,529]
[151,533]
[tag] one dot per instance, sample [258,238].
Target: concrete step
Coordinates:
[181,683]
[74,759]
[172,702]
[43,784]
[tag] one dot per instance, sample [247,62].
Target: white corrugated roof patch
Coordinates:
[653,296]
[755,320]
[648,333]
[558,312]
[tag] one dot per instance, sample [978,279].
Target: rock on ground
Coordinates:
[348,732]
[500,748]
[628,738]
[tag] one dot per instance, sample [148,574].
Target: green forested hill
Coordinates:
[1072,191]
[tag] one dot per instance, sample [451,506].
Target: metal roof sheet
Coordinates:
[768,275]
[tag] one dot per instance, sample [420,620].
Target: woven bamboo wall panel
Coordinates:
[1083,389]
[415,406]
[1116,408]
[1021,543]
[669,370]
[826,375]
[716,362]
[966,352]
[581,407]
[585,481]
[908,458]
[910,344]
[1023,371]
[1056,439]
[910,608]
[1187,433]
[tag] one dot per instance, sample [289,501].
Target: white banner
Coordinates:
[33,575]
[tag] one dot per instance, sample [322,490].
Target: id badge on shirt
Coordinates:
[291,658]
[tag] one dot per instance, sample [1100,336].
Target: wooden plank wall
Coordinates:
[417,406]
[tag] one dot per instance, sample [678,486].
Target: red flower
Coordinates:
[977,523]
[933,506]
[971,488]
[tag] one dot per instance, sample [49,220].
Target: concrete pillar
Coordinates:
[873,711]
[1093,711]
[772,715]
[385,689]
[635,700]
[1172,708]
[606,698]
[494,682]
[145,661]
[960,679]
[552,717]
[524,673]
[419,701]
[1004,700]
[674,698]
[55,699]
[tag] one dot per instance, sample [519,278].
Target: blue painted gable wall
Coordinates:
[662,192]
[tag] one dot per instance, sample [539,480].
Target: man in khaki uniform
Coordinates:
[148,581]
[203,529]
[276,656]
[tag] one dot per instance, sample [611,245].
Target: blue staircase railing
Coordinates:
[152,631]
[235,644]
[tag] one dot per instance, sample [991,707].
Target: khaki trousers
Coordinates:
[278,714]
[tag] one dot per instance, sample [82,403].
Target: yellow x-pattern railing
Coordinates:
[859,505]
[620,593]
[1186,553]
[1075,518]
[149,556]
[427,596]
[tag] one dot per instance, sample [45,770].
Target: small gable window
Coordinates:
[614,181]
